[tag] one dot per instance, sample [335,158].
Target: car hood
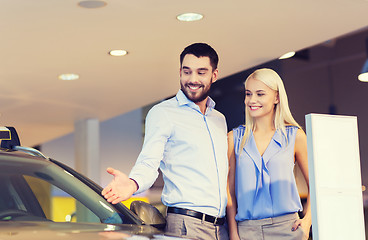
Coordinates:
[23,230]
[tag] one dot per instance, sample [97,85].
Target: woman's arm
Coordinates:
[231,202]
[301,157]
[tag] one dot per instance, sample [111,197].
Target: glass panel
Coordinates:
[58,205]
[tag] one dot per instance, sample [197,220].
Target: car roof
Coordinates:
[16,158]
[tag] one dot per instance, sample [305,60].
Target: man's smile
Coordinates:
[194,87]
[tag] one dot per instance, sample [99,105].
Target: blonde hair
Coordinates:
[282,116]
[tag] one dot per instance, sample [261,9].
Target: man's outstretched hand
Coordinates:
[120,188]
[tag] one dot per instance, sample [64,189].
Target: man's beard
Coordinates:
[199,98]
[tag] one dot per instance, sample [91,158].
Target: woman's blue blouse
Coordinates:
[265,185]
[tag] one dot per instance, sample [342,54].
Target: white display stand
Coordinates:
[335,177]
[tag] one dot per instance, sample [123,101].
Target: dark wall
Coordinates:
[320,79]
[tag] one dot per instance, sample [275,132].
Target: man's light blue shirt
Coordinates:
[191,150]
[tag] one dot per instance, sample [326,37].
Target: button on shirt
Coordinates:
[191,150]
[265,185]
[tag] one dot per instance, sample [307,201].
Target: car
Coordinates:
[30,184]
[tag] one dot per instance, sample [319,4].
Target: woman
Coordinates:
[263,200]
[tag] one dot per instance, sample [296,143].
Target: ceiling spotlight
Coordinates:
[287,55]
[363,76]
[68,76]
[92,4]
[118,52]
[189,17]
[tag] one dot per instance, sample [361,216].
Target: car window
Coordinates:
[58,205]
[30,198]
[17,199]
[37,189]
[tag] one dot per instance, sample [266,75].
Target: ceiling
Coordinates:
[41,39]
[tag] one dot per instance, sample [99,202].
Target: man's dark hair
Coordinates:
[201,50]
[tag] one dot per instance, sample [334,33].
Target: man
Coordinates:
[187,138]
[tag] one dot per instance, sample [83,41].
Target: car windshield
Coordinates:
[35,189]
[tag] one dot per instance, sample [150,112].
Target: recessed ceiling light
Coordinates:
[287,55]
[189,17]
[118,52]
[92,4]
[68,76]
[363,77]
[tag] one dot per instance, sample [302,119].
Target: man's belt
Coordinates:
[195,214]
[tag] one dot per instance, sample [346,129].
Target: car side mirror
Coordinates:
[148,213]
